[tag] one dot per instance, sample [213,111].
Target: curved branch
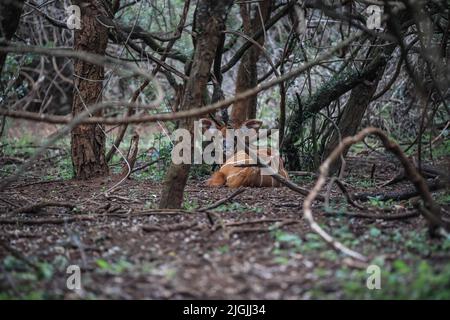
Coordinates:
[433,219]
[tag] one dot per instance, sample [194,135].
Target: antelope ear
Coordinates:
[253,124]
[207,124]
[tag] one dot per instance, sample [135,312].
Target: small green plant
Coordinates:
[190,205]
[237,207]
[223,249]
[10,73]
[115,268]
[360,182]
[65,168]
[20,146]
[303,179]
[150,205]
[285,245]
[374,232]
[376,202]
[200,170]
[313,243]
[443,199]
[337,207]
[159,155]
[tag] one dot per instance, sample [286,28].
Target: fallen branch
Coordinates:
[434,219]
[222,201]
[344,191]
[257,221]
[261,230]
[426,171]
[170,228]
[44,221]
[150,212]
[375,216]
[36,207]
[209,215]
[144,166]
[10,160]
[35,183]
[434,185]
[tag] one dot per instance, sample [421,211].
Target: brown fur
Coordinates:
[233,176]
[217,179]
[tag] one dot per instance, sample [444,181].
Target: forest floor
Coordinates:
[258,247]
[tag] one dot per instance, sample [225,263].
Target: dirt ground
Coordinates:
[256,246]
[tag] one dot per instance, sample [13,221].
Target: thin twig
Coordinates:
[222,201]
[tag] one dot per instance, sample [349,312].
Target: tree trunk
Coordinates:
[340,84]
[88,141]
[355,108]
[247,76]
[209,22]
[10,11]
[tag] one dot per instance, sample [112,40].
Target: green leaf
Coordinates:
[103,264]
[374,232]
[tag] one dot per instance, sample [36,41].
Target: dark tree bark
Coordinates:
[10,11]
[332,90]
[355,108]
[209,22]
[247,76]
[88,141]
[352,115]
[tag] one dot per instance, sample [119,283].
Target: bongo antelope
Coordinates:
[238,171]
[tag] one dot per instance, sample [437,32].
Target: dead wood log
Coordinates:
[36,207]
[44,221]
[433,185]
[170,228]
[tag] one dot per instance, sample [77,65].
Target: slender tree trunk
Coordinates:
[247,76]
[355,108]
[209,22]
[88,141]
[10,11]
[339,85]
